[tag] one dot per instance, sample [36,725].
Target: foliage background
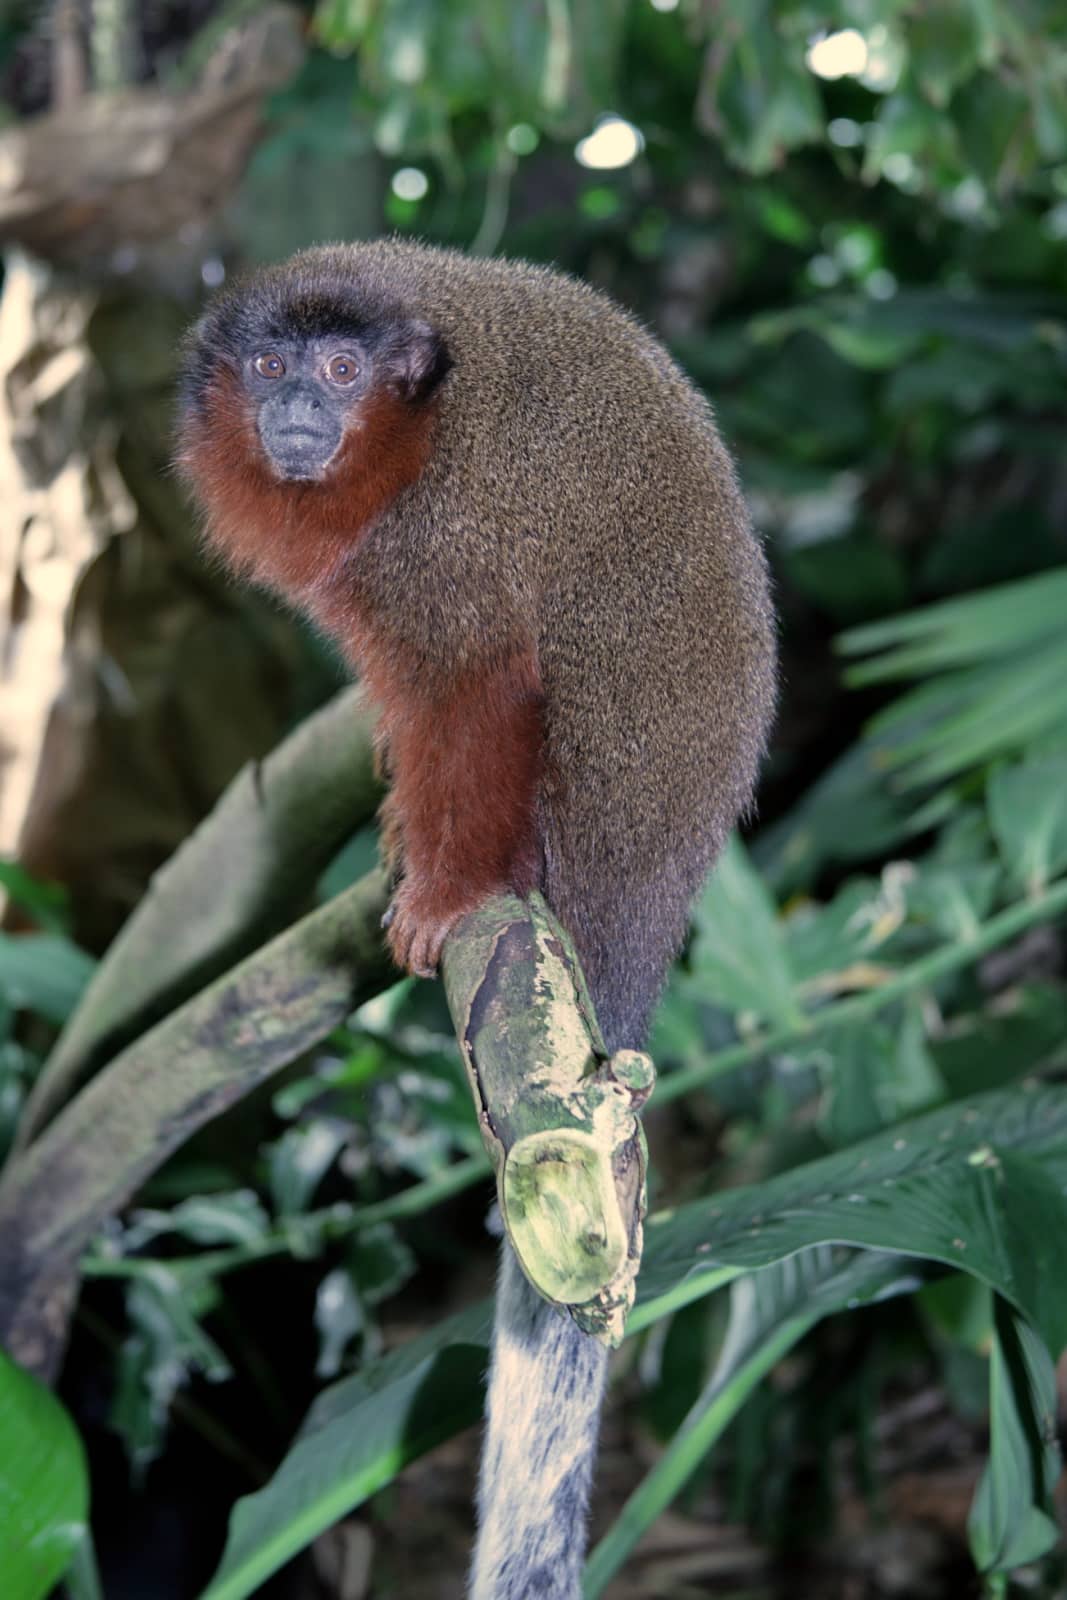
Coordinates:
[867,272]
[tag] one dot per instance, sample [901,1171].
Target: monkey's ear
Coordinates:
[420,360]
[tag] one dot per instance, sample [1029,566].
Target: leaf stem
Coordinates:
[328,1223]
[857,1008]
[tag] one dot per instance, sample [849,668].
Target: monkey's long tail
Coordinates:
[546,1381]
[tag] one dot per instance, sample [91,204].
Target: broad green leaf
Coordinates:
[979,1185]
[915,1084]
[858,1064]
[357,1437]
[44,973]
[1012,1520]
[824,940]
[765,98]
[340,24]
[380,1262]
[1028,815]
[738,957]
[876,1075]
[848,814]
[44,1486]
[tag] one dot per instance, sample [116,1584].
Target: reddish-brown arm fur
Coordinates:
[465,762]
[464,756]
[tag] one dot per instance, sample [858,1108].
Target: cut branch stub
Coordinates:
[558,1117]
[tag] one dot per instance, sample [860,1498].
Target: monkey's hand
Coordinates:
[417,926]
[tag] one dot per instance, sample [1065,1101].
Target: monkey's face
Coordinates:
[304,395]
[308,403]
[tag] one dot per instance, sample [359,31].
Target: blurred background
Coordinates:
[848,222]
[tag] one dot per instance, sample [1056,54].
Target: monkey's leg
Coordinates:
[466,767]
[546,1383]
[391,840]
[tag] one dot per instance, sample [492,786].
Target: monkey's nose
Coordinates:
[304,405]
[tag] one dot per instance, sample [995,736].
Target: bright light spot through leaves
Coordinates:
[839,55]
[614,142]
[410,183]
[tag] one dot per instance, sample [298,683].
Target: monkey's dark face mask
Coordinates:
[305,395]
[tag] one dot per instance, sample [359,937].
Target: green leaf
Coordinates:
[166,1341]
[380,1262]
[847,814]
[973,716]
[738,957]
[953,900]
[876,1075]
[236,1218]
[301,1158]
[1012,1519]
[765,99]
[341,24]
[970,628]
[1028,814]
[824,940]
[979,1185]
[44,1486]
[43,973]
[770,1311]
[357,1437]
[861,1063]
[47,903]
[987,1051]
[945,44]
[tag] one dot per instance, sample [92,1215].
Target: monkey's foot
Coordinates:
[415,932]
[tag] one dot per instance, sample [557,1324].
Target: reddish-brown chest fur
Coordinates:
[464,750]
[293,537]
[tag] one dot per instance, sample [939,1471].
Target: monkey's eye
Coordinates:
[269,365]
[342,368]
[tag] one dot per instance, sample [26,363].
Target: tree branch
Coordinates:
[558,1120]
